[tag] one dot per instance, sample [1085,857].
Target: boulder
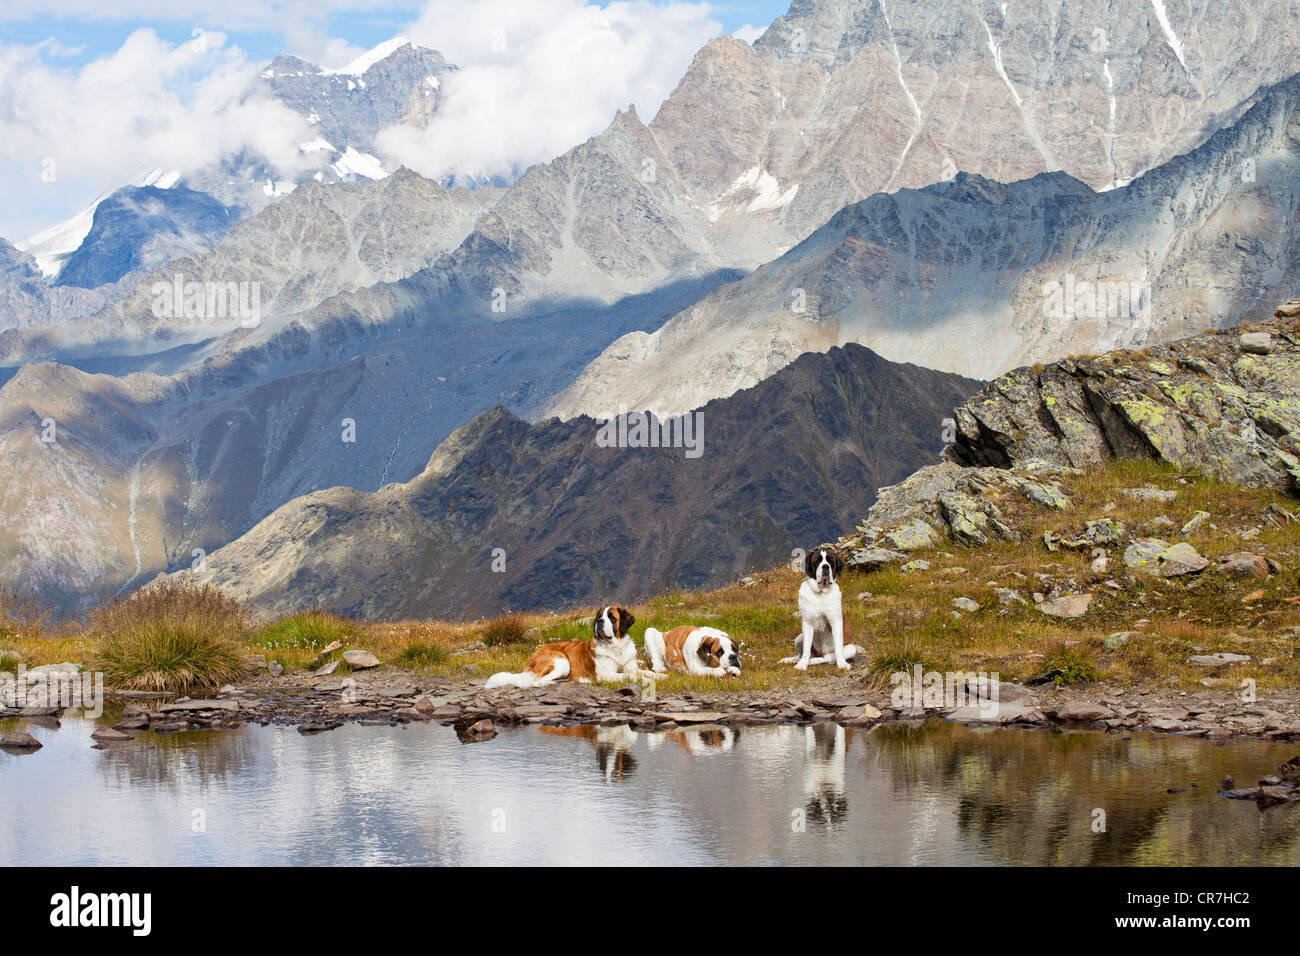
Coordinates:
[1155,556]
[1009,596]
[21,742]
[965,604]
[920,564]
[1194,523]
[1066,605]
[1242,564]
[1256,343]
[360,660]
[1120,638]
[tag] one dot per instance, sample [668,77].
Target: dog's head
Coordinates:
[612,622]
[719,650]
[823,565]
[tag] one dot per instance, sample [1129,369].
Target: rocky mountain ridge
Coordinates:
[512,515]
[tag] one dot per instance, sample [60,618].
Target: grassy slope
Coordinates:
[909,616]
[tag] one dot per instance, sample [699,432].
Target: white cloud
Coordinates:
[150,104]
[536,77]
[539,76]
[749,33]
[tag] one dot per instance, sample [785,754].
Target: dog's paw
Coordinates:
[801,666]
[844,665]
[733,671]
[787,660]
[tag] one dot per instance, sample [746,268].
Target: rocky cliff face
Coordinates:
[779,465]
[1227,402]
[1224,403]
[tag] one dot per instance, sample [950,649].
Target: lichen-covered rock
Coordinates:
[912,536]
[872,559]
[1228,404]
[1154,556]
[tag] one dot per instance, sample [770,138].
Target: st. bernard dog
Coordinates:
[825,632]
[608,655]
[701,651]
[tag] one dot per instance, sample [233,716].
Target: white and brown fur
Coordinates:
[701,651]
[609,655]
[825,636]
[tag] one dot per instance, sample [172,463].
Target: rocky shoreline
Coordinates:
[315,706]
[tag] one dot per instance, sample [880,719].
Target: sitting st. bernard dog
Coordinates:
[609,654]
[702,651]
[825,632]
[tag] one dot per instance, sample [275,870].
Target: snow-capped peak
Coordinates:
[368,59]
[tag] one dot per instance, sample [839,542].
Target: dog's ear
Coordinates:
[837,563]
[711,649]
[625,620]
[810,563]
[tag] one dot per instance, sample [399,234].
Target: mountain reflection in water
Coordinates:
[936,793]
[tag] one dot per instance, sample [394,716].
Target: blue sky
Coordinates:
[104,92]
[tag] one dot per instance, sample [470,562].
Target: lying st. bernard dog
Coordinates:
[825,632]
[702,651]
[608,655]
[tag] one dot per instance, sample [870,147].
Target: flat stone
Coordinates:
[920,564]
[1213,660]
[360,660]
[189,705]
[326,670]
[20,741]
[1147,493]
[996,712]
[1083,710]
[965,604]
[690,717]
[1156,556]
[107,735]
[1067,605]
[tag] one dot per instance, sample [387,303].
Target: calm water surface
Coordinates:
[938,793]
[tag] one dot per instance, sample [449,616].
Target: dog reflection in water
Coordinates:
[825,753]
[614,744]
[702,741]
[613,747]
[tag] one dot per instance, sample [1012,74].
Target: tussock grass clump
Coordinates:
[1071,666]
[171,637]
[306,631]
[421,656]
[511,629]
